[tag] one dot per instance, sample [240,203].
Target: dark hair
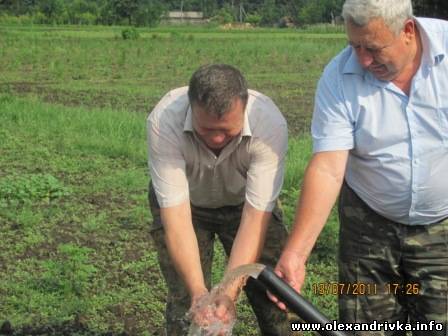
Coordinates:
[214,87]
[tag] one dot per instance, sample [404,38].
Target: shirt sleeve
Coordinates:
[332,127]
[166,163]
[266,171]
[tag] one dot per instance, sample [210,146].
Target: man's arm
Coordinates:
[321,185]
[168,174]
[249,240]
[183,248]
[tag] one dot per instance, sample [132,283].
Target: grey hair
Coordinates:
[393,12]
[214,87]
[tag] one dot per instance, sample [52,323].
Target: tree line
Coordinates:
[150,12]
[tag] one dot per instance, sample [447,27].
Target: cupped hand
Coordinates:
[214,313]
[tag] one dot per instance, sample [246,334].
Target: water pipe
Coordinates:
[296,302]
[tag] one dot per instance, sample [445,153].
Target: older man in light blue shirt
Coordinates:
[381,124]
[398,142]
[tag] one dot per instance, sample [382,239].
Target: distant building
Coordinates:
[178,17]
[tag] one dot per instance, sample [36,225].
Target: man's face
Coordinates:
[379,50]
[217,133]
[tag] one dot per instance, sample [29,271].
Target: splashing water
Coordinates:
[213,325]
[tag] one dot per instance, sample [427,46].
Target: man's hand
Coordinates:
[198,298]
[321,184]
[214,313]
[291,268]
[225,309]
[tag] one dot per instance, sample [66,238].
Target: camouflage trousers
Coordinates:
[222,223]
[403,269]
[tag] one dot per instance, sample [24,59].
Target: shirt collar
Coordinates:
[433,50]
[188,124]
[352,65]
[246,126]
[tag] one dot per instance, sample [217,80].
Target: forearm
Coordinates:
[183,248]
[321,185]
[249,240]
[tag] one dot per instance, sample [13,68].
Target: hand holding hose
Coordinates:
[291,267]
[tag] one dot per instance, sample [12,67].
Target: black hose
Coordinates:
[296,302]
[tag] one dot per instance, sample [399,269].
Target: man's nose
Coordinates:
[365,57]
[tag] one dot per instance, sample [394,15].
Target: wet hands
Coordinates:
[212,314]
[225,309]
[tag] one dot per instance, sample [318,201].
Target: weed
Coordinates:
[29,188]
[69,274]
[94,223]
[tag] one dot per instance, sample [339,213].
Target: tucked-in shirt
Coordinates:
[398,144]
[250,167]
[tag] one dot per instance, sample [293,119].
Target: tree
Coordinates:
[125,9]
[82,12]
[52,9]
[318,11]
[148,13]
[431,8]
[270,14]
[18,7]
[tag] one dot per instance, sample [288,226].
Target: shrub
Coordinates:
[130,34]
[16,20]
[223,16]
[82,18]
[39,17]
[253,19]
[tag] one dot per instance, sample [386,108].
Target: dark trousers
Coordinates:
[405,267]
[221,223]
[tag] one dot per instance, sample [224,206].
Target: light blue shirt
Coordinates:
[398,158]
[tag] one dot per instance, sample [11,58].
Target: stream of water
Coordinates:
[214,326]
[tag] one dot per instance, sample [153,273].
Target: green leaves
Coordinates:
[69,274]
[31,188]
[130,34]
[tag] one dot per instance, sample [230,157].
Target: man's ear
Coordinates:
[409,30]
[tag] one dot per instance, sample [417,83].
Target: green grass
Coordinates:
[88,188]
[83,66]
[73,211]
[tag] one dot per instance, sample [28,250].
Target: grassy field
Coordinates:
[74,219]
